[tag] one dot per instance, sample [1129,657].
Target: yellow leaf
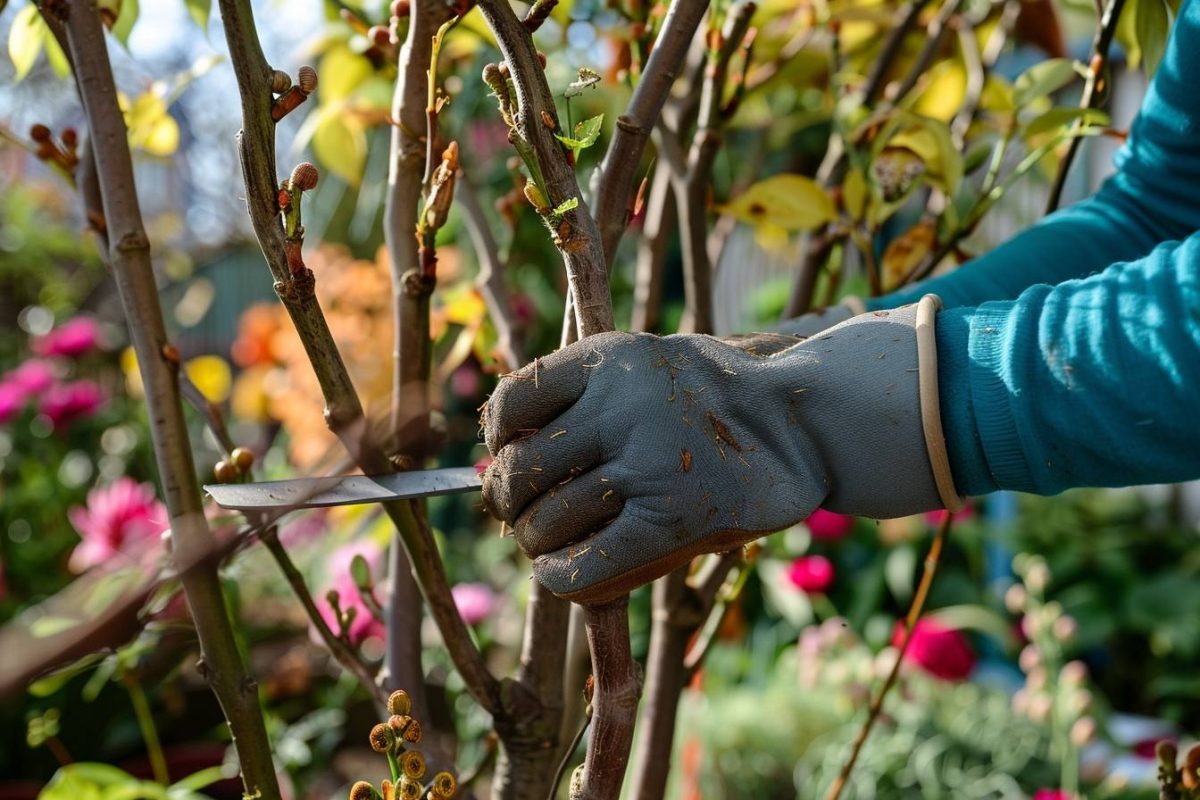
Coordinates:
[907,251]
[25,40]
[133,376]
[854,193]
[464,307]
[997,95]
[212,377]
[250,400]
[788,202]
[930,139]
[340,73]
[151,128]
[340,144]
[944,92]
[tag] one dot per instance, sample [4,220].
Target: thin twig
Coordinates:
[566,759]
[1106,30]
[910,622]
[906,19]
[658,225]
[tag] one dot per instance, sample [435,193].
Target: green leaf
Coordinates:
[586,134]
[48,626]
[1057,118]
[25,39]
[55,55]
[1153,25]
[899,571]
[360,571]
[565,206]
[340,72]
[199,11]
[126,18]
[979,618]
[340,143]
[1043,79]
[790,202]
[49,684]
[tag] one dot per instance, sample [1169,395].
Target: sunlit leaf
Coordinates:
[55,56]
[1056,118]
[565,206]
[998,95]
[585,134]
[931,140]
[1153,25]
[47,626]
[151,128]
[854,193]
[946,86]
[340,144]
[463,306]
[897,168]
[908,250]
[25,40]
[126,19]
[340,73]
[199,11]
[789,202]
[1043,79]
[212,377]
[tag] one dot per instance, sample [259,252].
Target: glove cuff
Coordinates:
[931,407]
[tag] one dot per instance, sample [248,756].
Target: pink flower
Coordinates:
[464,381]
[1052,794]
[364,624]
[73,338]
[964,513]
[121,520]
[32,377]
[942,652]
[67,402]
[12,400]
[475,601]
[828,526]
[811,574]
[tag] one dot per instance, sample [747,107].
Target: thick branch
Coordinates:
[129,257]
[613,182]
[575,232]
[343,407]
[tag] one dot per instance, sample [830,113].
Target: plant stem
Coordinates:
[910,622]
[191,539]
[1106,31]
[145,721]
[614,702]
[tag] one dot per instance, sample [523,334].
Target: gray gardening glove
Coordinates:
[621,457]
[816,321]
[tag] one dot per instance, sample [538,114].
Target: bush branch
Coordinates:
[129,257]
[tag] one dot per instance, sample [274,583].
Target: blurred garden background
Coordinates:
[1062,637]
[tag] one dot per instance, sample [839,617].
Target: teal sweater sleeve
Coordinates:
[1093,382]
[1154,197]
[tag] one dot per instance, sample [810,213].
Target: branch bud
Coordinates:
[304,177]
[401,8]
[280,81]
[306,79]
[399,703]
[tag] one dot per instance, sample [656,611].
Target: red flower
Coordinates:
[828,526]
[942,652]
[67,402]
[936,517]
[73,338]
[811,574]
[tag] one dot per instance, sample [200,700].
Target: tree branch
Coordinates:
[1106,30]
[343,408]
[652,251]
[129,256]
[613,181]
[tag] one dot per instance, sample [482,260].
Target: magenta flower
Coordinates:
[828,526]
[67,402]
[964,513]
[942,652]
[364,624]
[123,520]
[32,377]
[475,601]
[1052,794]
[811,574]
[73,338]
[12,400]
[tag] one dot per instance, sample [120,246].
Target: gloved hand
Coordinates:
[622,456]
[814,322]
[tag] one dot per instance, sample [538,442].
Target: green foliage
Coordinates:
[91,781]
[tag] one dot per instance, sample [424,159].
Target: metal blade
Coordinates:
[345,490]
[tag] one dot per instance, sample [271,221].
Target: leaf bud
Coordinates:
[280,81]
[401,8]
[225,471]
[412,764]
[243,458]
[444,785]
[399,703]
[306,79]
[379,36]
[362,790]
[305,176]
[70,138]
[382,738]
[39,132]
[409,790]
